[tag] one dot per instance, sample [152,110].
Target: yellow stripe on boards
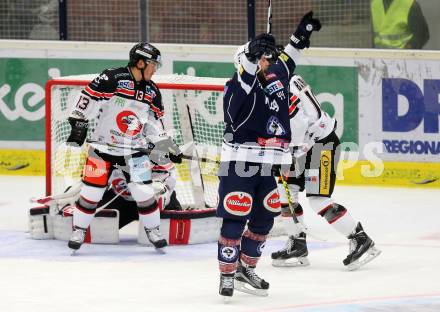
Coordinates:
[22,162]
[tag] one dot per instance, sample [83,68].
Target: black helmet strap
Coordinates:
[142,70]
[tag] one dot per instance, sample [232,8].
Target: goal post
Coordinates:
[193,113]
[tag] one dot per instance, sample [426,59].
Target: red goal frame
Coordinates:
[77,82]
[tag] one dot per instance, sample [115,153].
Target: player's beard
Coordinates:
[262,78]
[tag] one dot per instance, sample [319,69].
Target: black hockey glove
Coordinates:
[263,44]
[277,170]
[163,151]
[301,37]
[78,133]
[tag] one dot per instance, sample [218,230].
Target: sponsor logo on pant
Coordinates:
[325,168]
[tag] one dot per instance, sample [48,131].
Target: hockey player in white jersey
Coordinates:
[128,106]
[317,154]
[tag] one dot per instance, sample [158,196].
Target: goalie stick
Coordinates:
[66,198]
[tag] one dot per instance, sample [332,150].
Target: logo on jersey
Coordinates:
[272,201]
[150,94]
[238,203]
[120,187]
[229,253]
[274,87]
[126,84]
[261,247]
[100,77]
[128,123]
[274,126]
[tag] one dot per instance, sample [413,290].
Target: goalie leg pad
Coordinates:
[40,223]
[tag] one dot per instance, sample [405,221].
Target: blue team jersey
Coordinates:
[257,116]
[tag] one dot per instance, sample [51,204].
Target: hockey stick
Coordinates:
[199,190]
[269,17]
[58,197]
[299,224]
[290,203]
[144,150]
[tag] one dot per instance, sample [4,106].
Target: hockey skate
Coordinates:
[226,288]
[361,250]
[247,281]
[155,237]
[77,238]
[294,253]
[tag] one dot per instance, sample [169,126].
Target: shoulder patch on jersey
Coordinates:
[284,57]
[274,86]
[126,84]
[238,203]
[272,201]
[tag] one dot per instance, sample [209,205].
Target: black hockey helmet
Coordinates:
[144,51]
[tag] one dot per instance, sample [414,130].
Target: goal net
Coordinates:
[193,114]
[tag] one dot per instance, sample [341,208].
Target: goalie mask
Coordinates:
[145,51]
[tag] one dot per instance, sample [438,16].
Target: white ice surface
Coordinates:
[405,224]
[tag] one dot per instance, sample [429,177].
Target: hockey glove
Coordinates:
[78,133]
[315,132]
[301,150]
[263,44]
[161,152]
[301,37]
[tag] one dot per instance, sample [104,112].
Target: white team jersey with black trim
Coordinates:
[308,122]
[127,111]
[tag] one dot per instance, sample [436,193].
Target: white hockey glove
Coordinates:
[163,150]
[302,149]
[315,132]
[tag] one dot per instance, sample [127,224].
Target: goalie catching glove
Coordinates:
[78,133]
[164,150]
[300,39]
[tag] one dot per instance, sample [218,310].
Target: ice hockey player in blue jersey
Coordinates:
[255,136]
[256,108]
